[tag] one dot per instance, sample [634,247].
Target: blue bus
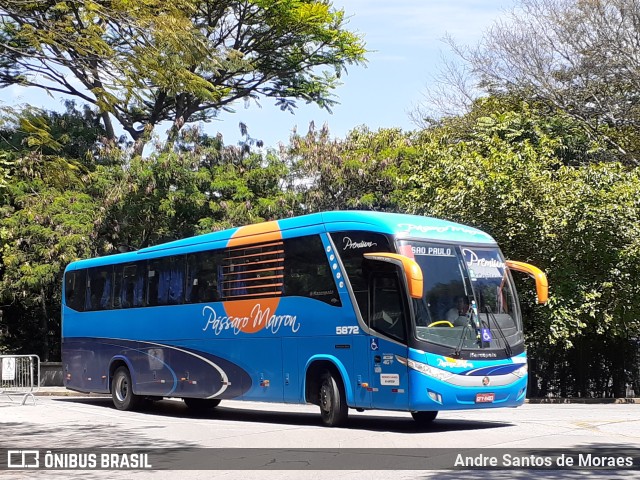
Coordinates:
[344,309]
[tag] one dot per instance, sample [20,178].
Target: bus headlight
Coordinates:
[429,371]
[522,371]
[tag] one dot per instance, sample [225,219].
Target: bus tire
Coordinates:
[424,418]
[332,401]
[201,404]
[122,391]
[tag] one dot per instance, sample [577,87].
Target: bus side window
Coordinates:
[74,288]
[99,288]
[129,285]
[387,311]
[307,272]
[175,291]
[138,283]
[118,301]
[166,281]
[203,272]
[351,246]
[152,282]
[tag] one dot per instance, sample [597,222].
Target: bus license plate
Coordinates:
[485,397]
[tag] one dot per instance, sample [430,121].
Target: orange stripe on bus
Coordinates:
[240,272]
[256,233]
[254,279]
[260,254]
[255,295]
[257,312]
[251,287]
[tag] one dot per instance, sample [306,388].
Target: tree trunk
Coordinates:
[108,126]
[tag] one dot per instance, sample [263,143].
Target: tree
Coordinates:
[509,172]
[46,221]
[200,186]
[580,57]
[144,63]
[362,171]
[50,207]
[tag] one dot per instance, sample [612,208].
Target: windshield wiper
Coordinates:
[470,322]
[507,347]
[456,353]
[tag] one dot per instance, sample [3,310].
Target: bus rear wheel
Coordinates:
[333,402]
[424,418]
[122,391]
[201,404]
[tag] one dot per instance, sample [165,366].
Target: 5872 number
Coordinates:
[351,330]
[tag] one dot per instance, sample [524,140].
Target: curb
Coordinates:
[68,393]
[63,392]
[586,401]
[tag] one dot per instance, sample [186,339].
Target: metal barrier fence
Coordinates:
[20,374]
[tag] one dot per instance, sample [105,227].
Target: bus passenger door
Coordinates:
[388,318]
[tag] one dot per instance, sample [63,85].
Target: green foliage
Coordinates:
[182,61]
[580,224]
[74,134]
[199,187]
[505,176]
[577,57]
[44,226]
[362,171]
[5,167]
[46,220]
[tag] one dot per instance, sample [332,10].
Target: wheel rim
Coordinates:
[122,388]
[325,398]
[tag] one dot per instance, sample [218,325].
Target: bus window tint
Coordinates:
[387,311]
[443,283]
[129,286]
[203,277]
[166,281]
[307,270]
[99,288]
[74,289]
[351,246]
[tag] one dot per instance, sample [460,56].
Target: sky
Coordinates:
[404,40]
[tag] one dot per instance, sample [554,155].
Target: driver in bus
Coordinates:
[457,314]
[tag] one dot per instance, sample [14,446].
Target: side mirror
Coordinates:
[412,271]
[542,285]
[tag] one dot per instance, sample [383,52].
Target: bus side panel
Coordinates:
[362,378]
[293,392]
[156,369]
[189,371]
[260,358]
[84,368]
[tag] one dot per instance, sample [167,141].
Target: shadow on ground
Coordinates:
[403,423]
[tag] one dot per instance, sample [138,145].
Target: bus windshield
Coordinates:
[468,300]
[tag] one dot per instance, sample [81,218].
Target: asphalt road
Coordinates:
[92,422]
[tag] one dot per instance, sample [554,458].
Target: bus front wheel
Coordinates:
[333,402]
[424,418]
[122,391]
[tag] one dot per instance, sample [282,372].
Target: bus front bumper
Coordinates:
[452,394]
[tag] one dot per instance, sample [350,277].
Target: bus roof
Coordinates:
[400,225]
